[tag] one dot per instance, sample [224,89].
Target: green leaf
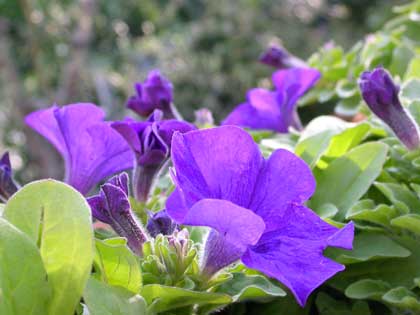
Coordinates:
[102,299]
[23,281]
[327,305]
[398,271]
[411,90]
[312,148]
[347,178]
[402,298]
[410,222]
[118,265]
[2,205]
[401,57]
[347,140]
[57,218]
[400,196]
[413,70]
[369,246]
[366,210]
[162,298]
[367,289]
[244,287]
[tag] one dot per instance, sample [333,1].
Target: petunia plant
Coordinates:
[262,213]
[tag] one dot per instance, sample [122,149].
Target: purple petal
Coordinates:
[92,150]
[45,123]
[237,228]
[121,181]
[295,81]
[284,179]
[217,163]
[293,253]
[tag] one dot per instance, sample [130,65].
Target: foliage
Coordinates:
[51,263]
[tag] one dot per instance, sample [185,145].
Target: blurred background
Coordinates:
[68,51]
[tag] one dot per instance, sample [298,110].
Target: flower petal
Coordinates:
[295,81]
[246,115]
[236,227]
[217,163]
[293,254]
[284,179]
[92,150]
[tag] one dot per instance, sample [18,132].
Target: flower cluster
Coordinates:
[254,207]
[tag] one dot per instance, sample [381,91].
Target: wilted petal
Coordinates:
[91,149]
[217,163]
[293,253]
[284,179]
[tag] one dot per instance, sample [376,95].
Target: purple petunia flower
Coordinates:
[160,223]
[7,185]
[254,208]
[112,207]
[156,92]
[91,149]
[150,141]
[275,110]
[381,94]
[278,57]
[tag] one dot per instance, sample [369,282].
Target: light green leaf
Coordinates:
[410,222]
[312,148]
[102,299]
[348,177]
[398,271]
[23,280]
[118,265]
[400,196]
[366,210]
[411,90]
[413,70]
[347,140]
[57,218]
[402,298]
[367,289]
[162,298]
[2,205]
[244,287]
[401,56]
[369,246]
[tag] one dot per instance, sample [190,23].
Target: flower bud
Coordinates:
[381,95]
[112,207]
[7,185]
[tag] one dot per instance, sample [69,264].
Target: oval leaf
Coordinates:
[57,218]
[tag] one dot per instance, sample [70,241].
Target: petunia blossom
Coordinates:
[381,95]
[91,149]
[150,141]
[156,92]
[254,207]
[7,184]
[275,110]
[112,207]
